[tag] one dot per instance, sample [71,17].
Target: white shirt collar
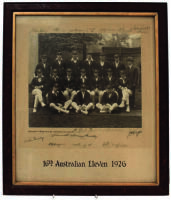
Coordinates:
[84,77]
[39,77]
[54,92]
[75,60]
[130,66]
[55,77]
[91,60]
[59,60]
[69,77]
[117,62]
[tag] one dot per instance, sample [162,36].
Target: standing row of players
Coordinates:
[85,85]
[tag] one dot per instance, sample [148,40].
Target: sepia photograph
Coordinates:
[85,99]
[85,80]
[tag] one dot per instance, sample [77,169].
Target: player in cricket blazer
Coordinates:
[132,75]
[45,67]
[109,100]
[89,64]
[69,85]
[54,78]
[83,79]
[96,87]
[59,64]
[109,79]
[124,86]
[82,101]
[102,65]
[117,66]
[75,64]
[57,101]
[38,86]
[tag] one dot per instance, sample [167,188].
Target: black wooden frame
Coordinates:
[163,187]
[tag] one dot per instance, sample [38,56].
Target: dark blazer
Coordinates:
[53,98]
[111,82]
[79,82]
[116,70]
[60,67]
[132,75]
[80,100]
[71,84]
[75,67]
[38,82]
[103,69]
[96,83]
[111,100]
[45,70]
[123,83]
[52,80]
[89,67]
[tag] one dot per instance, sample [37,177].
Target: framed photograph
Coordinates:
[85,99]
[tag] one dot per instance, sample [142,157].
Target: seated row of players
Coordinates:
[84,93]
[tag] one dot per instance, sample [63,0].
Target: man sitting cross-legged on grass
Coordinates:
[109,100]
[57,101]
[82,101]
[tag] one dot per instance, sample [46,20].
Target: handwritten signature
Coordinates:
[74,135]
[34,139]
[76,132]
[134,133]
[116,145]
